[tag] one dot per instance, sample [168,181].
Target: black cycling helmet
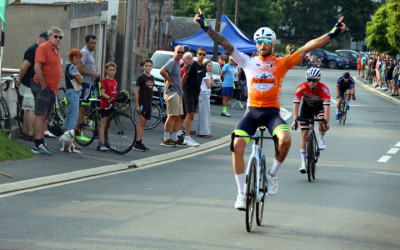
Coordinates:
[346,74]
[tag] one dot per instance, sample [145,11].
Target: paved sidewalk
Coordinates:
[381,92]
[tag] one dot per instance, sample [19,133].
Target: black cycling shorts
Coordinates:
[307,111]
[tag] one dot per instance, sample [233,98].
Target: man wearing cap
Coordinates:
[228,78]
[26,73]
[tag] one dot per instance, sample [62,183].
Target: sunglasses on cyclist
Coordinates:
[312,80]
[264,40]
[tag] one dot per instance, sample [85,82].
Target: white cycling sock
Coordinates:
[275,167]
[187,137]
[303,156]
[166,135]
[348,102]
[321,135]
[240,182]
[337,111]
[174,136]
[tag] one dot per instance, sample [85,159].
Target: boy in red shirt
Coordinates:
[108,92]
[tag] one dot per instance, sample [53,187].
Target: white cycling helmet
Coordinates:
[265,32]
[313,73]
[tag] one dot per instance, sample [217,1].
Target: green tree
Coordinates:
[377,30]
[393,34]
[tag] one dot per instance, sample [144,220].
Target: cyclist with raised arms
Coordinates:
[264,75]
[316,102]
[345,84]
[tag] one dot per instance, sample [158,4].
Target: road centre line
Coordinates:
[384,173]
[384,158]
[392,151]
[397,145]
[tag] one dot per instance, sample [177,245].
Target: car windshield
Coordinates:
[159,59]
[216,69]
[330,53]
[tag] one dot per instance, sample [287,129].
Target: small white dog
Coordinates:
[67,140]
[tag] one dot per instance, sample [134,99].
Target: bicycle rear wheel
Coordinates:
[310,155]
[251,184]
[122,133]
[62,102]
[20,113]
[155,116]
[344,112]
[89,129]
[5,122]
[262,191]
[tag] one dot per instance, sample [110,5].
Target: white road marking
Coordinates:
[288,114]
[392,151]
[397,145]
[334,101]
[384,158]
[384,173]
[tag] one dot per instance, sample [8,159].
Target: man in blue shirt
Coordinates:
[227,78]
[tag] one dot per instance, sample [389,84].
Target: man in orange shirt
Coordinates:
[44,86]
[264,76]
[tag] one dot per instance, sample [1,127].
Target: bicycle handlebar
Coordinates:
[310,120]
[256,138]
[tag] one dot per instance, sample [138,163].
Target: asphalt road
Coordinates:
[188,203]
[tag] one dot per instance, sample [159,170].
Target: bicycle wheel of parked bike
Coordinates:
[251,184]
[89,129]
[62,102]
[155,116]
[20,113]
[5,122]
[122,133]
[310,156]
[262,191]
[343,110]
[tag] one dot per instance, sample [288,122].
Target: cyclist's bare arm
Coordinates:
[221,40]
[320,41]
[327,109]
[295,113]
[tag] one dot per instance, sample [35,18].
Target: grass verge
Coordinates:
[9,150]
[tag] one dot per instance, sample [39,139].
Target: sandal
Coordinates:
[26,137]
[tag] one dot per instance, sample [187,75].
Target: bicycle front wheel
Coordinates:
[122,133]
[89,128]
[20,113]
[155,116]
[310,155]
[344,112]
[5,122]
[262,191]
[251,183]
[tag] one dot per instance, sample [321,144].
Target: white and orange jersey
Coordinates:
[265,76]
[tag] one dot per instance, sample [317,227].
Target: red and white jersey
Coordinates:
[312,97]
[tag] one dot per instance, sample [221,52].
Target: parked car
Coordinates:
[160,58]
[330,59]
[351,55]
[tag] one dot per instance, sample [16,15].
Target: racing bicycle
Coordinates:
[312,146]
[256,185]
[343,110]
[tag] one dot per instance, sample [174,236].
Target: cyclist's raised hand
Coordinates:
[339,27]
[201,20]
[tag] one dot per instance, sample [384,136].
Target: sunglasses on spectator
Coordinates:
[180,52]
[202,54]
[56,37]
[312,80]
[264,40]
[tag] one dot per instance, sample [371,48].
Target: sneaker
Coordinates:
[102,148]
[303,169]
[226,114]
[180,142]
[41,150]
[49,134]
[191,143]
[322,144]
[337,117]
[272,184]
[240,202]
[168,142]
[139,147]
[348,107]
[50,150]
[147,149]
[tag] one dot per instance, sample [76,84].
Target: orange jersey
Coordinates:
[265,76]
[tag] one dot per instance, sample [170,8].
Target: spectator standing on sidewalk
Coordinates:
[191,83]
[363,64]
[378,68]
[204,123]
[359,65]
[26,73]
[171,72]
[396,73]
[87,69]
[227,77]
[44,86]
[383,76]
[143,101]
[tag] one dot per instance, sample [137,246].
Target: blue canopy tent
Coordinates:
[236,37]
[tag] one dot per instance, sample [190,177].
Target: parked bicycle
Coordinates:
[343,110]
[158,111]
[122,129]
[312,147]
[256,185]
[58,114]
[5,120]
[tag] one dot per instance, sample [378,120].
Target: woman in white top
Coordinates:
[204,123]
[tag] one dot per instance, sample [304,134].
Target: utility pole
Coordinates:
[224,7]
[217,29]
[126,43]
[237,13]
